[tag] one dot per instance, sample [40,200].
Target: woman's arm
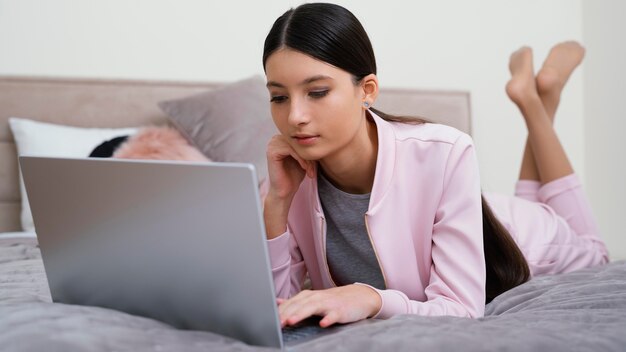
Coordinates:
[286,172]
[287,264]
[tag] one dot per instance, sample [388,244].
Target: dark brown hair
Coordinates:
[332,34]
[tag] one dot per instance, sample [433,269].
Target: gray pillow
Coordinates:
[232,123]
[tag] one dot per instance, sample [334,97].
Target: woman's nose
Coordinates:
[298,114]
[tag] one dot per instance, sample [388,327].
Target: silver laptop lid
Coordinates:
[180,242]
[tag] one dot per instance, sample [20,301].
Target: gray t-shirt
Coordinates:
[349,251]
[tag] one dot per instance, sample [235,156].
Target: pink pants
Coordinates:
[552,224]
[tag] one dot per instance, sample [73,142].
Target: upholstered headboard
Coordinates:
[124,103]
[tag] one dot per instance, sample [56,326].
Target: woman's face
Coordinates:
[315,105]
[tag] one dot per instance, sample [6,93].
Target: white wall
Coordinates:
[605,117]
[446,44]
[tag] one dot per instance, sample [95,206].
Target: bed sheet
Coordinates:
[579,311]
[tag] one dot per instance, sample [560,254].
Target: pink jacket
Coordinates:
[424,221]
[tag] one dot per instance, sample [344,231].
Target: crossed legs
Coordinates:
[545,160]
[537,98]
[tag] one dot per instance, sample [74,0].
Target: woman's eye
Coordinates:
[318,93]
[278,99]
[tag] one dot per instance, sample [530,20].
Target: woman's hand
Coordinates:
[344,304]
[286,168]
[286,171]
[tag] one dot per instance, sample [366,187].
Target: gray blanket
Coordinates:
[579,311]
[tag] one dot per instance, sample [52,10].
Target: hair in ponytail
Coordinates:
[505,262]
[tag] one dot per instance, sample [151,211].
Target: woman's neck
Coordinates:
[352,168]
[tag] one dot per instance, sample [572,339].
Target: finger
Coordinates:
[280,301]
[293,315]
[285,310]
[298,317]
[286,149]
[331,318]
[283,153]
[296,310]
[289,310]
[303,163]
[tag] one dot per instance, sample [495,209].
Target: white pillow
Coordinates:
[47,139]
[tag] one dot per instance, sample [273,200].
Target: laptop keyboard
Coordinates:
[306,328]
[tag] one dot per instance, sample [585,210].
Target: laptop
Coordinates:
[180,242]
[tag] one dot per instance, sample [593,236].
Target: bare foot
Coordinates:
[522,87]
[557,68]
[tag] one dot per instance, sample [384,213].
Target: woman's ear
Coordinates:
[369,85]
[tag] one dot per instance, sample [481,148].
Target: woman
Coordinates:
[384,213]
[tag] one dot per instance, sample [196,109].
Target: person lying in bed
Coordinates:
[385,213]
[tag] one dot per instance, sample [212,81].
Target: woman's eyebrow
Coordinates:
[304,82]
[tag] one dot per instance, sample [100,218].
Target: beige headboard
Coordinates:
[122,103]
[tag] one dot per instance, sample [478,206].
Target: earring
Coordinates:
[366,104]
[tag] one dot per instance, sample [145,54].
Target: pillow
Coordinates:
[232,123]
[46,139]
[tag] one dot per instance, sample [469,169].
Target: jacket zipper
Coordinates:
[382,271]
[324,251]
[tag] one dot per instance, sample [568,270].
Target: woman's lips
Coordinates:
[306,140]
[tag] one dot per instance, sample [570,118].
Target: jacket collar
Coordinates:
[385,164]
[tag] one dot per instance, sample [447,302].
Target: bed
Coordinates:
[578,311]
